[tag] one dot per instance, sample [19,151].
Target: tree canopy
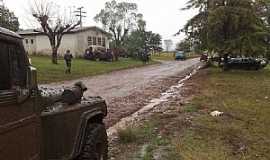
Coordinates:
[119,18]
[143,40]
[184,45]
[8,19]
[228,26]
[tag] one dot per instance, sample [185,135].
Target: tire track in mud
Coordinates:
[127,91]
[145,103]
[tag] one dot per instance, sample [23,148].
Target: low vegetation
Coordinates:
[80,68]
[243,131]
[164,56]
[190,132]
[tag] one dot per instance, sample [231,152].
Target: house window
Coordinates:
[103,42]
[90,41]
[94,40]
[32,41]
[99,41]
[26,41]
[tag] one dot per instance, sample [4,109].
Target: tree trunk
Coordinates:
[54,55]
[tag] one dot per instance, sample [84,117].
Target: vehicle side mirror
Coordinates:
[32,78]
[30,89]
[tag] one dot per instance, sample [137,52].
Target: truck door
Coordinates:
[19,122]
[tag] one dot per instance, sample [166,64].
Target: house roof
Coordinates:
[75,30]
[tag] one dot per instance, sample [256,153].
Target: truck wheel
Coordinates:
[95,145]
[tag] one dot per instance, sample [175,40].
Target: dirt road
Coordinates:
[126,91]
[125,82]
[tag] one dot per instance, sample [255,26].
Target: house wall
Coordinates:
[77,43]
[84,43]
[44,47]
[30,44]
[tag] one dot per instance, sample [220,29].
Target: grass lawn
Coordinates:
[47,72]
[242,133]
[164,57]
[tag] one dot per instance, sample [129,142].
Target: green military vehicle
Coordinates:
[33,127]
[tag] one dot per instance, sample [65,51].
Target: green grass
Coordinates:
[127,135]
[243,132]
[163,57]
[136,134]
[190,108]
[47,72]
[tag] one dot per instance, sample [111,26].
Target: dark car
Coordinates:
[180,56]
[246,63]
[204,58]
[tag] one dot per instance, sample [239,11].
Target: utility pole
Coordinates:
[81,14]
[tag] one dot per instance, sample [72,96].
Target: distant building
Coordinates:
[77,41]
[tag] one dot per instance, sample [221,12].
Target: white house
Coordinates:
[77,41]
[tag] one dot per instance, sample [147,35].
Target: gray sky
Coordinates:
[162,16]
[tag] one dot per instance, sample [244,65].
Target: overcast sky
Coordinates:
[162,16]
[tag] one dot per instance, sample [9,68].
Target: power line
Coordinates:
[80,14]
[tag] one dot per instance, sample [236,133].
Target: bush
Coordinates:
[127,135]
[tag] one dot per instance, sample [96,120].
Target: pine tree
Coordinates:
[227,27]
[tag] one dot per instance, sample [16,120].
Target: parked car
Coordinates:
[204,58]
[180,55]
[246,63]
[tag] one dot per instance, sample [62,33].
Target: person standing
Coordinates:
[68,58]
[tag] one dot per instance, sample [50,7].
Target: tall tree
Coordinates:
[154,41]
[53,25]
[241,31]
[227,27]
[263,9]
[8,19]
[143,40]
[140,39]
[184,45]
[118,18]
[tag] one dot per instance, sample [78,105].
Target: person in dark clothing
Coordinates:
[68,58]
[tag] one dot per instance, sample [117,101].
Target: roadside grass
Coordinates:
[242,133]
[191,108]
[47,72]
[127,135]
[143,136]
[136,134]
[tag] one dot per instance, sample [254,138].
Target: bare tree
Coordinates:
[53,24]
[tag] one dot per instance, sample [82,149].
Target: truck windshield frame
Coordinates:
[13,66]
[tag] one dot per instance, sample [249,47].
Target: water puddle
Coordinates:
[172,91]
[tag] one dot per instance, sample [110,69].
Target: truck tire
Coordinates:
[95,145]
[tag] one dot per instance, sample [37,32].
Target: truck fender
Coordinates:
[87,117]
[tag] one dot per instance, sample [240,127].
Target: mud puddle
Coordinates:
[164,97]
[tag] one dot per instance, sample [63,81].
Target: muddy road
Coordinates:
[127,91]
